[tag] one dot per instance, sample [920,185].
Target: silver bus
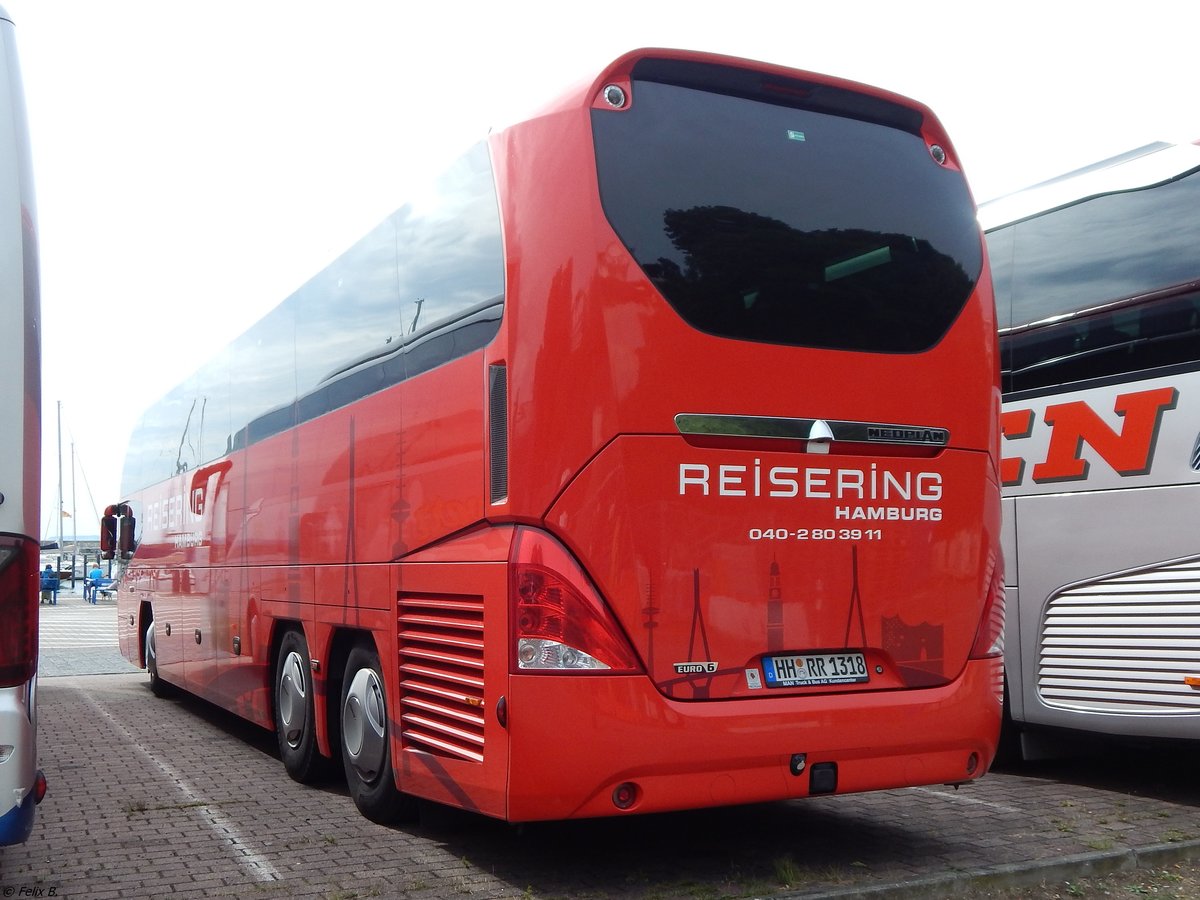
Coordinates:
[1097,281]
[22,785]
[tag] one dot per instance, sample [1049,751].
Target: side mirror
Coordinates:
[108,534]
[117,527]
[126,542]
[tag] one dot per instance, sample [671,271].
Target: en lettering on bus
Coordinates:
[1129,450]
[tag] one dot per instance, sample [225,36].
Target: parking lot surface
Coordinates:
[154,798]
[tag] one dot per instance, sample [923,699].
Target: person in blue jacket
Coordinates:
[91,587]
[49,585]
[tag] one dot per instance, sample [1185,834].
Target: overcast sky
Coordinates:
[196,162]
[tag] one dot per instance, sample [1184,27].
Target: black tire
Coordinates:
[366,742]
[158,687]
[295,719]
[1008,748]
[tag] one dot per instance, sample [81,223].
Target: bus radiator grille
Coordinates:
[1123,643]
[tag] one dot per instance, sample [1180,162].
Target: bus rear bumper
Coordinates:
[21,782]
[587,746]
[17,824]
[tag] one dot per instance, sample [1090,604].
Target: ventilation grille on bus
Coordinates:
[441,674]
[498,432]
[1123,644]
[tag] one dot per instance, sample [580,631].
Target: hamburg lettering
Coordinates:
[889,513]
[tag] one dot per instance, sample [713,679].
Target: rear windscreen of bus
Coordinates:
[769,223]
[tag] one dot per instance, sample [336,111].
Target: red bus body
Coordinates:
[602,474]
[22,783]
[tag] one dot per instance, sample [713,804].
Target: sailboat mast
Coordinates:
[60,489]
[74,518]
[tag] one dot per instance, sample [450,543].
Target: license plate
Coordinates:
[815,669]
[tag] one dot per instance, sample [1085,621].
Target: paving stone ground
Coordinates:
[174,798]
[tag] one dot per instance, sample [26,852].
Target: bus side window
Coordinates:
[1000,255]
[1167,332]
[1159,333]
[1031,357]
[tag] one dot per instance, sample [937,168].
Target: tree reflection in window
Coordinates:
[748,276]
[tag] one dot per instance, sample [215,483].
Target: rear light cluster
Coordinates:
[559,621]
[989,640]
[18,609]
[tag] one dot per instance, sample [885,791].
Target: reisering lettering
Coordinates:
[812,482]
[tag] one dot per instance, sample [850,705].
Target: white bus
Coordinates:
[22,785]
[1097,280]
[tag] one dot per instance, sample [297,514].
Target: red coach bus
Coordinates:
[648,462]
[22,784]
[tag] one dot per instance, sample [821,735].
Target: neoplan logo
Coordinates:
[899,435]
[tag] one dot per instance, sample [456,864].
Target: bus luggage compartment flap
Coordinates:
[741,573]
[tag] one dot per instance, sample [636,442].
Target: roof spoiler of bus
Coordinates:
[717,73]
[732,76]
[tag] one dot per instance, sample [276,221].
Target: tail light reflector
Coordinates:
[989,640]
[18,609]
[559,621]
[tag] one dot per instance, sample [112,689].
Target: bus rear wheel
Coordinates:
[158,687]
[295,720]
[366,742]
